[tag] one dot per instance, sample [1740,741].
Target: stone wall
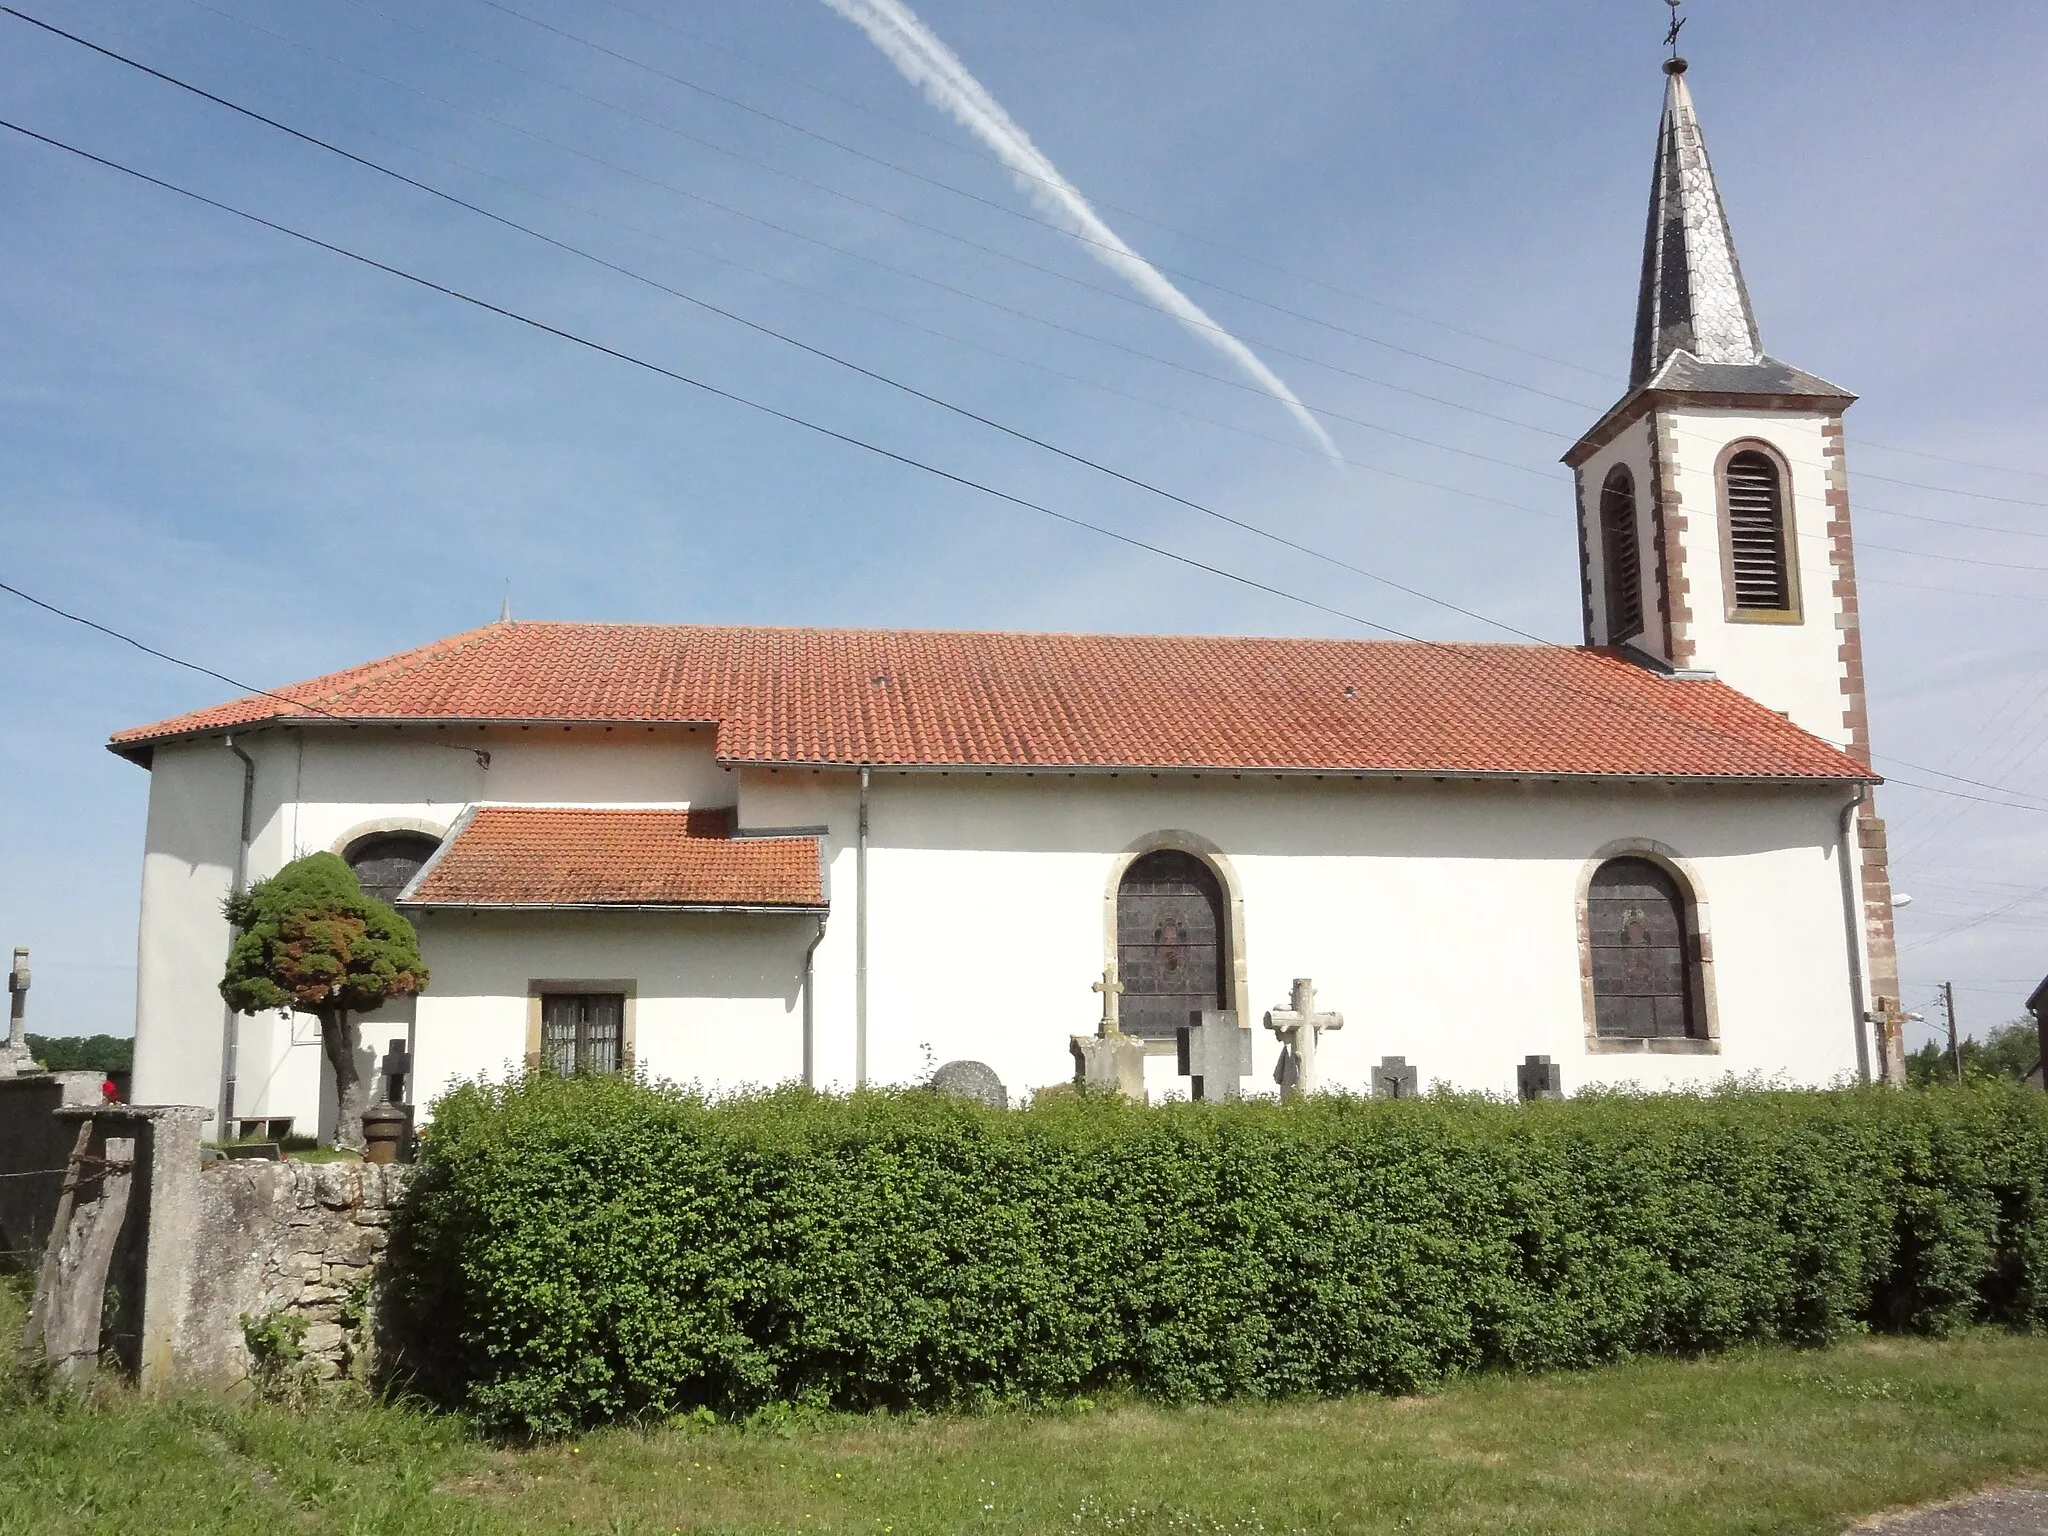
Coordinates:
[294,1239]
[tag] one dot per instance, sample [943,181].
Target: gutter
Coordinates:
[1852,922]
[231,1034]
[743,909]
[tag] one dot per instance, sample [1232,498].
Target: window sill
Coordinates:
[1667,1045]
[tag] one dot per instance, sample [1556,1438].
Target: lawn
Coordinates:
[1764,1441]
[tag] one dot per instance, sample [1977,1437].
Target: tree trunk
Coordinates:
[340,1037]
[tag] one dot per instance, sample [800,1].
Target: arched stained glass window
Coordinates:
[1621,555]
[1645,955]
[386,861]
[1170,942]
[1759,543]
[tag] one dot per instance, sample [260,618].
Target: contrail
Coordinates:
[934,68]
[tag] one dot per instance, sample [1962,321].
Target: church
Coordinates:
[744,856]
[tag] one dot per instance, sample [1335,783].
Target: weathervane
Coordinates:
[1677,26]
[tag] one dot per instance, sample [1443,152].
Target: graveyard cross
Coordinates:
[1299,1028]
[1111,989]
[14,1056]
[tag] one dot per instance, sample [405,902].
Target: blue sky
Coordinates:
[270,460]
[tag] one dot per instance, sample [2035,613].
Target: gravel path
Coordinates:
[2009,1512]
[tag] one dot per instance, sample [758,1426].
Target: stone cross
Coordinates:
[1539,1078]
[1109,1059]
[1300,1028]
[1111,989]
[14,1056]
[1393,1078]
[1216,1054]
[1890,1020]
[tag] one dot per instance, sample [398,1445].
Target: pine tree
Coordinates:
[308,939]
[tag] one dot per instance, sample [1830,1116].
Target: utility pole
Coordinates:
[1948,1004]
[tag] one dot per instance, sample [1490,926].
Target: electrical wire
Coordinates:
[1238,384]
[482,757]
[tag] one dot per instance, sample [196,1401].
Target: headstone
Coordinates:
[1112,1063]
[1539,1078]
[396,1071]
[974,1080]
[1393,1078]
[1109,1060]
[1216,1054]
[1300,1029]
[14,1054]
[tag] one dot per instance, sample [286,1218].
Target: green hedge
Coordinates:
[581,1251]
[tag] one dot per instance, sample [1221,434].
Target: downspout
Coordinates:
[1852,915]
[810,991]
[860,941]
[231,1034]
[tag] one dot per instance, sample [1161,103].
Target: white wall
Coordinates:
[1794,668]
[716,996]
[188,862]
[1439,918]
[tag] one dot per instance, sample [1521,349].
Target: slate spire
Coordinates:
[1693,299]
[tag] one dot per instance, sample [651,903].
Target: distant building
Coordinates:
[750,855]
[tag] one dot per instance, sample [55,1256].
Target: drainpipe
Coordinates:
[1852,915]
[860,941]
[231,1034]
[810,990]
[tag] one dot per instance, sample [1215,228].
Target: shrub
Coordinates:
[600,1248]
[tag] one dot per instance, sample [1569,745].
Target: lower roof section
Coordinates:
[520,858]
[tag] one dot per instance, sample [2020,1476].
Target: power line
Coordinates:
[2003,789]
[711,389]
[788,340]
[1124,209]
[482,757]
[1120,297]
[967,482]
[890,165]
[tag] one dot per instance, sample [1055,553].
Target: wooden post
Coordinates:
[1955,1049]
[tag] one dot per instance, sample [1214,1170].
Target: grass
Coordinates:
[1755,1442]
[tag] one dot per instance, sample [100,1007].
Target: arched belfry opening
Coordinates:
[1172,941]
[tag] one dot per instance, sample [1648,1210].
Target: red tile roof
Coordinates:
[545,856]
[917,698]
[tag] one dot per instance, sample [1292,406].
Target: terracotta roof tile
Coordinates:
[918,698]
[545,856]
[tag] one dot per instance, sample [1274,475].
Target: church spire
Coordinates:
[1693,299]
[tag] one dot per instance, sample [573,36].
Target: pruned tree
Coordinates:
[308,939]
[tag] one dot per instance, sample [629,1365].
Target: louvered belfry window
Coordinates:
[1759,568]
[1621,555]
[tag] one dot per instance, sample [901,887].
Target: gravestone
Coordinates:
[974,1080]
[1393,1078]
[1300,1030]
[1216,1054]
[395,1069]
[14,1054]
[1539,1078]
[1109,1059]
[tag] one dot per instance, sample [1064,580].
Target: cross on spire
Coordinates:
[1677,26]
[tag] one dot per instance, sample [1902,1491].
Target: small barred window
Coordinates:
[1759,565]
[1621,555]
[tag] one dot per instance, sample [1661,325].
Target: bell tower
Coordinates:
[1714,529]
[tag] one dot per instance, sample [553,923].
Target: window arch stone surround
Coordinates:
[1236,990]
[1700,967]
